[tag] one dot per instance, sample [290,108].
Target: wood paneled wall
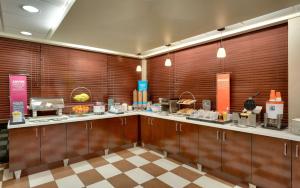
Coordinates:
[257,61]
[55,71]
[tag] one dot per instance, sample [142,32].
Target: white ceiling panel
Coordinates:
[15,19]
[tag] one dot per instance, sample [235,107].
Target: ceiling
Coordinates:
[14,19]
[134,26]
[129,26]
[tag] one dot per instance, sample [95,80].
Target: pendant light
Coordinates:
[221,51]
[139,68]
[168,62]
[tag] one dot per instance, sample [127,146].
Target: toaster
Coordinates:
[295,127]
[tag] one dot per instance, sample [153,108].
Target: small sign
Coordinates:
[142,85]
[18,93]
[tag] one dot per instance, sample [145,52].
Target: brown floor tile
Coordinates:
[21,183]
[1,175]
[150,156]
[155,183]
[125,154]
[186,173]
[48,185]
[219,180]
[97,162]
[122,181]
[192,185]
[4,165]
[153,169]
[124,165]
[89,177]
[174,161]
[62,172]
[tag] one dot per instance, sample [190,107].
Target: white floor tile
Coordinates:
[81,166]
[207,182]
[7,175]
[137,161]
[138,175]
[111,158]
[69,181]
[173,180]
[108,171]
[102,184]
[40,178]
[137,150]
[166,164]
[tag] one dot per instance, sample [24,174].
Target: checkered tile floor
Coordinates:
[135,167]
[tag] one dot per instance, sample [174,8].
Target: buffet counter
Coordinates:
[282,134]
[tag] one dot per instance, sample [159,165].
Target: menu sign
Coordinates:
[18,93]
[223,92]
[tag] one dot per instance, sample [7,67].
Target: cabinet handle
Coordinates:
[297,151]
[86,126]
[44,131]
[125,120]
[180,127]
[285,149]
[176,126]
[151,121]
[36,132]
[148,121]
[218,135]
[224,136]
[91,125]
[121,121]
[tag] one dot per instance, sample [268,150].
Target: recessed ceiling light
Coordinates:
[30,8]
[26,33]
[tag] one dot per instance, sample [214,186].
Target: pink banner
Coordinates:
[18,93]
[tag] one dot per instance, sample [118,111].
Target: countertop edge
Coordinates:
[283,134]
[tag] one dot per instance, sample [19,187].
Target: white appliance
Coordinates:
[295,127]
[99,108]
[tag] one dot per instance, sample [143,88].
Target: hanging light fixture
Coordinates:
[221,51]
[139,68]
[168,62]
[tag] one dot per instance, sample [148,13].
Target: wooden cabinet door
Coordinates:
[77,139]
[295,164]
[53,143]
[188,141]
[158,133]
[146,130]
[168,132]
[130,129]
[98,135]
[24,148]
[209,148]
[271,162]
[236,157]
[116,133]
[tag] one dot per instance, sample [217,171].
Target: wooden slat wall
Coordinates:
[18,58]
[64,69]
[54,71]
[258,61]
[122,78]
[160,78]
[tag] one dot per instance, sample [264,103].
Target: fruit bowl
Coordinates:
[80,109]
[81,99]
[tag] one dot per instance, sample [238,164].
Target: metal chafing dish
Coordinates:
[46,104]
